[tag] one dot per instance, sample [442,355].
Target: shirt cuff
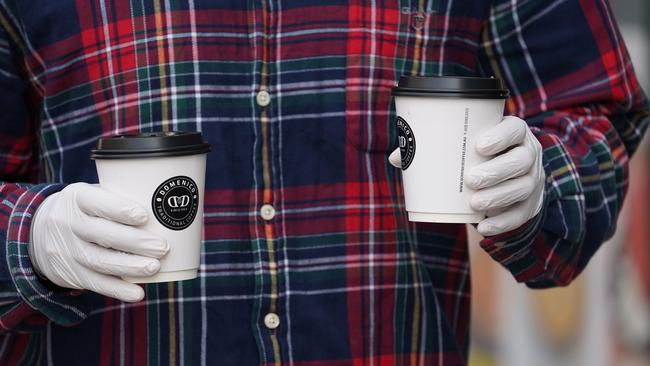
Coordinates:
[515,249]
[55,302]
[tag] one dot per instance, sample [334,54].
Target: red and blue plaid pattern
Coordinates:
[352,281]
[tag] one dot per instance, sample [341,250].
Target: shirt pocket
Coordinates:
[383,44]
[406,37]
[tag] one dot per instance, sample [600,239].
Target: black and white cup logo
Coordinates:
[175,202]
[406,142]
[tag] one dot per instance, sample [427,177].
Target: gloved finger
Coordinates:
[395,158]
[116,263]
[510,131]
[503,194]
[510,219]
[111,234]
[513,163]
[95,201]
[110,286]
[495,211]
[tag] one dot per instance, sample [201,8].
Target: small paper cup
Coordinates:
[438,121]
[165,173]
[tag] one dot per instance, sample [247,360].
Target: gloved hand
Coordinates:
[510,186]
[84,236]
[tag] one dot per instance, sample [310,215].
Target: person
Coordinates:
[308,257]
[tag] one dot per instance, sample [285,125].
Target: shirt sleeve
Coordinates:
[24,297]
[571,79]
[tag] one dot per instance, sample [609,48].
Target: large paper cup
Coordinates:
[438,121]
[165,173]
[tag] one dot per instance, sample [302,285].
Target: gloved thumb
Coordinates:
[395,158]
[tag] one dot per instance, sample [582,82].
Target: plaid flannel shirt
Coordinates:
[350,279]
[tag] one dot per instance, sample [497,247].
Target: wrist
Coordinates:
[35,229]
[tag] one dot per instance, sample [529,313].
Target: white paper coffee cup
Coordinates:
[165,173]
[438,121]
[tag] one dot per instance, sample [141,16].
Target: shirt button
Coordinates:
[263,98]
[272,320]
[267,212]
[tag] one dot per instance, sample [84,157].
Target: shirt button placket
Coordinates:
[263,230]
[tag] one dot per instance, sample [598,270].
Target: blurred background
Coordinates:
[602,318]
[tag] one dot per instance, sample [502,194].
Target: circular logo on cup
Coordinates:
[406,142]
[175,202]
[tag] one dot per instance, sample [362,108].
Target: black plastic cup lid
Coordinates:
[447,86]
[149,145]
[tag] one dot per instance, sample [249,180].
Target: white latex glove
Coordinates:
[510,186]
[83,237]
